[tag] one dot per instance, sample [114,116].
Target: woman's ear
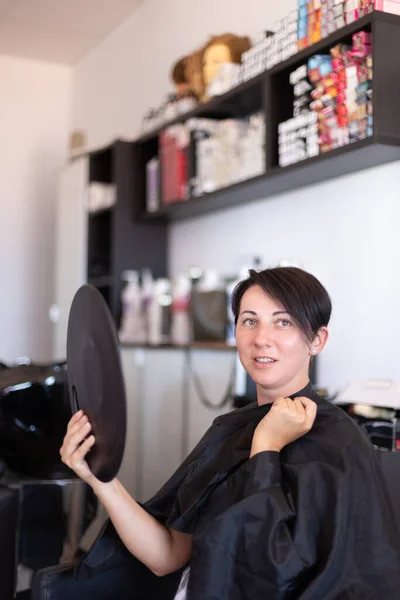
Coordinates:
[318,343]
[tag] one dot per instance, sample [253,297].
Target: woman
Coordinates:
[282,499]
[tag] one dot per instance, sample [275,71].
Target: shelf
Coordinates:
[240,100]
[342,161]
[218,200]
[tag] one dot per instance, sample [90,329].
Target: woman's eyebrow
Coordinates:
[253,312]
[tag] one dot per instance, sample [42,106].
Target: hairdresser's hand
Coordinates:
[76,445]
[287,421]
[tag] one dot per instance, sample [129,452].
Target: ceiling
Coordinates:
[60,31]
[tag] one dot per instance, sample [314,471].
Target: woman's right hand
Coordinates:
[76,445]
[287,421]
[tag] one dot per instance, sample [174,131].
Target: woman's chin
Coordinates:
[263,372]
[265,380]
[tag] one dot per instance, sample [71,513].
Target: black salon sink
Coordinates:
[34,412]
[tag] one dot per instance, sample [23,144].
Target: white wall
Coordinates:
[35,100]
[345,230]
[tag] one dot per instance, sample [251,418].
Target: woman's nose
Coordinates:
[263,337]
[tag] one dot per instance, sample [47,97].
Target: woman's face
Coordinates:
[271,347]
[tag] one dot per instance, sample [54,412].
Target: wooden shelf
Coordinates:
[271,91]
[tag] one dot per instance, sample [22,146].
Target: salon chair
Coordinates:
[391,469]
[117,579]
[8,542]
[42,504]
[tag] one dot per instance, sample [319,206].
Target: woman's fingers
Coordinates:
[299,408]
[289,403]
[77,426]
[281,401]
[74,419]
[73,440]
[304,408]
[310,407]
[79,454]
[77,443]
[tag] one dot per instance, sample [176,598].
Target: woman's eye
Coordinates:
[249,322]
[284,323]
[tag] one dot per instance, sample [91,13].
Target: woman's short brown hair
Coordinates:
[299,292]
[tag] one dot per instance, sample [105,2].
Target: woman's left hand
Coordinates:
[287,421]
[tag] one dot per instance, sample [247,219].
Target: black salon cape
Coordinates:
[310,523]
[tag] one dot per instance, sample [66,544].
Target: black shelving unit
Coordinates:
[117,241]
[272,93]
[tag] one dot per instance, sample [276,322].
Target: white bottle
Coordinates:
[147,299]
[159,313]
[132,325]
[181,323]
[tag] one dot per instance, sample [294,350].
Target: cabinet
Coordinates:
[153,379]
[165,416]
[162,417]
[131,467]
[209,377]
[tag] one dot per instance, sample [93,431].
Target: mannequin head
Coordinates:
[226,48]
[194,73]
[179,77]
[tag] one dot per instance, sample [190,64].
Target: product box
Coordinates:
[367,6]
[390,6]
[343,120]
[362,44]
[338,11]
[338,50]
[352,5]
[352,16]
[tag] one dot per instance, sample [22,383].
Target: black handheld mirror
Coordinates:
[95,379]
